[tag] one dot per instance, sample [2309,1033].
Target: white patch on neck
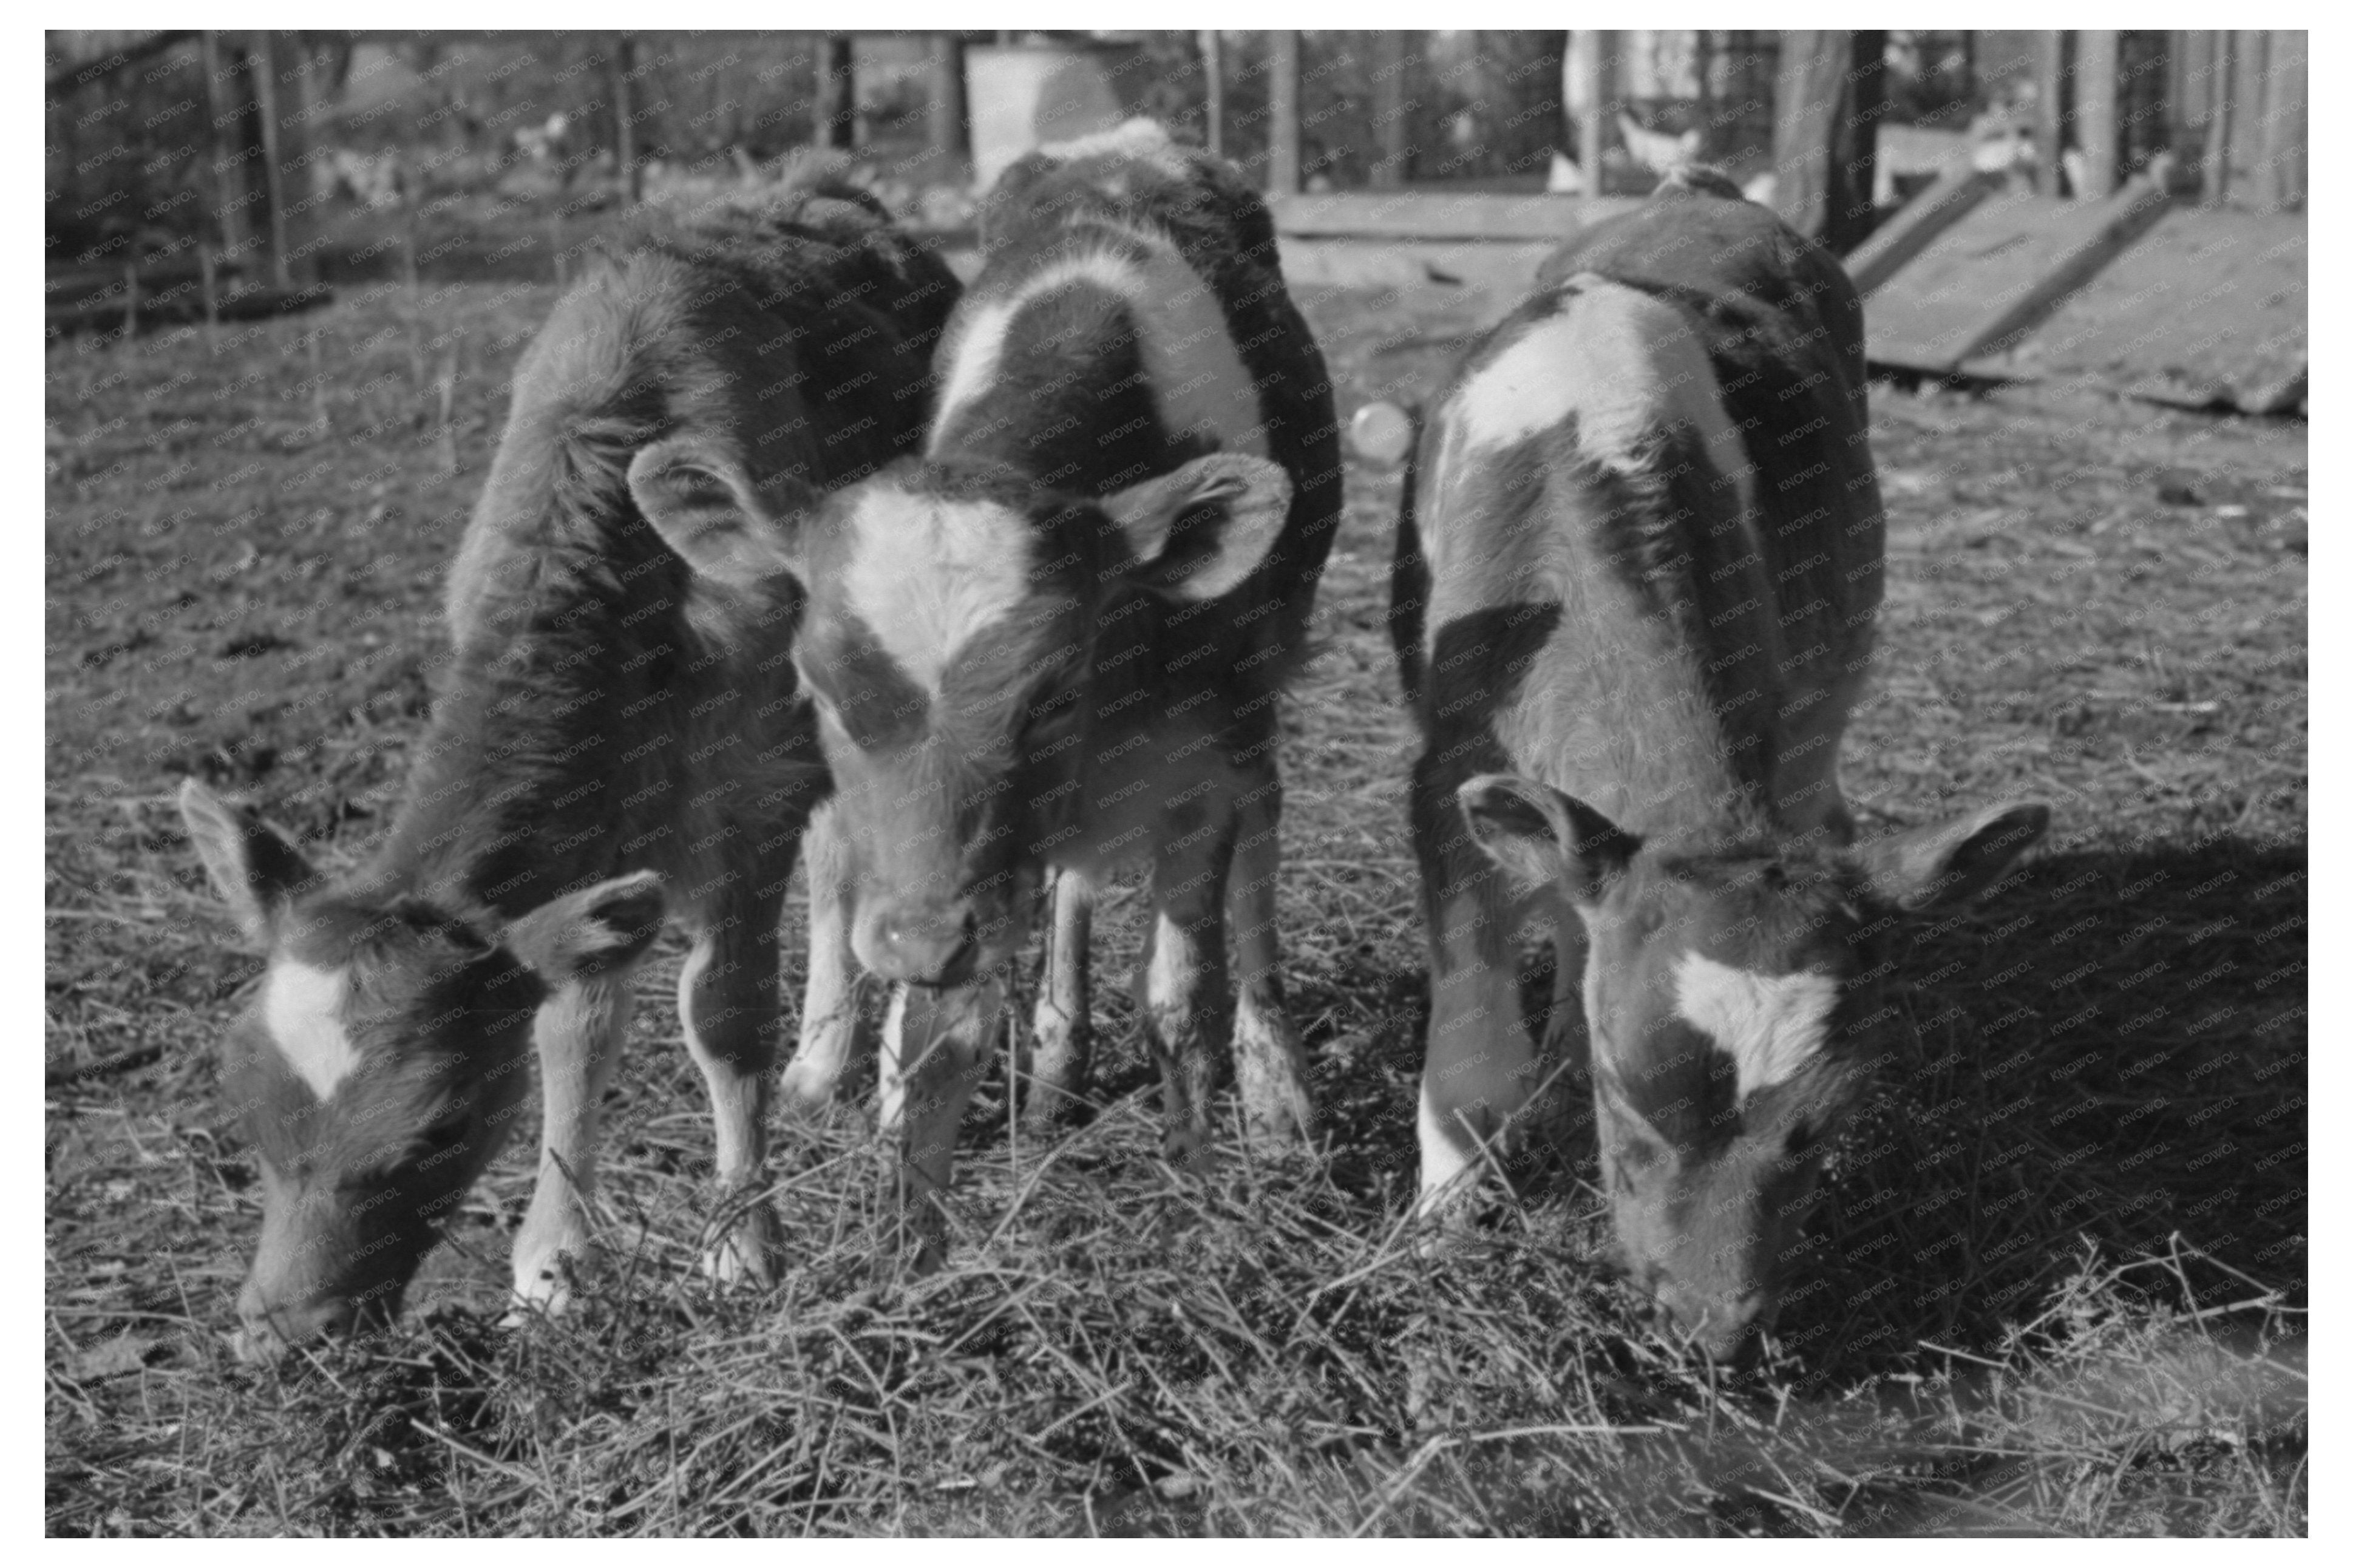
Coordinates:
[1619,360]
[298,1005]
[928,576]
[1195,374]
[1771,1025]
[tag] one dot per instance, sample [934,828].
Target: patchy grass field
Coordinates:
[2062,1272]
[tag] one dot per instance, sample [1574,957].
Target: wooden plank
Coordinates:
[1283,113]
[1959,188]
[1443,215]
[2208,309]
[1988,280]
[2098,53]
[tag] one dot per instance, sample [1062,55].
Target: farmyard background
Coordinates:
[2061,1268]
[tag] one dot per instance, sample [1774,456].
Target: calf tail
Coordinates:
[1409,573]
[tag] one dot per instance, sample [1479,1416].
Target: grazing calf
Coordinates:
[1635,586]
[1056,642]
[610,740]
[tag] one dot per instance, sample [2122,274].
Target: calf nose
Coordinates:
[926,946]
[1722,1328]
[267,1330]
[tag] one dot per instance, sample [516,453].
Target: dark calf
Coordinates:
[613,742]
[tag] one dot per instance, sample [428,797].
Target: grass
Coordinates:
[2058,1284]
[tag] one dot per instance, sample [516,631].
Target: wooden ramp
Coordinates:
[2207,310]
[1484,241]
[1990,268]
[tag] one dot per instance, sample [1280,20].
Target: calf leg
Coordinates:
[935,1048]
[579,1032]
[834,1020]
[1478,1065]
[1189,1020]
[727,1000]
[1268,1057]
[1062,1022]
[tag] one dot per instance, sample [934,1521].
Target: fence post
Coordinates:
[228,172]
[837,93]
[2217,171]
[1389,95]
[1283,113]
[625,129]
[1213,91]
[1590,94]
[2096,108]
[261,70]
[945,122]
[2050,109]
[1826,99]
[2279,177]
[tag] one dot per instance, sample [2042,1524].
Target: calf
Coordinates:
[610,740]
[1055,643]
[1634,593]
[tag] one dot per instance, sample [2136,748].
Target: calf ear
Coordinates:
[1542,839]
[1949,862]
[702,502]
[256,871]
[591,932]
[1196,533]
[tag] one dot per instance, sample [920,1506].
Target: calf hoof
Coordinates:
[1048,1110]
[746,1251]
[806,1096]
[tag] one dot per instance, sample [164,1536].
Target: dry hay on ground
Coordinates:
[2061,1273]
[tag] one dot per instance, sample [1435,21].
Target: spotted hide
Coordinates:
[1055,643]
[1636,582]
[613,742]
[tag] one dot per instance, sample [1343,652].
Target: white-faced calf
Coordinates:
[613,741]
[1636,584]
[1055,644]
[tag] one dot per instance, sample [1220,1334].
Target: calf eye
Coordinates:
[1802,1139]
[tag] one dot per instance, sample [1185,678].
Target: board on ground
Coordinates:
[2207,310]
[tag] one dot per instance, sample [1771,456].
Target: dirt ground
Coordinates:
[2063,1260]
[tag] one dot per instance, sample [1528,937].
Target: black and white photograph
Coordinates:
[1176,782]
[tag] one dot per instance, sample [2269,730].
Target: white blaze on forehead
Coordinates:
[927,576]
[1769,1024]
[1190,362]
[1620,362]
[299,1007]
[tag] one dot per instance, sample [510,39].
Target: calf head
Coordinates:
[380,1065]
[948,639]
[1739,996]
